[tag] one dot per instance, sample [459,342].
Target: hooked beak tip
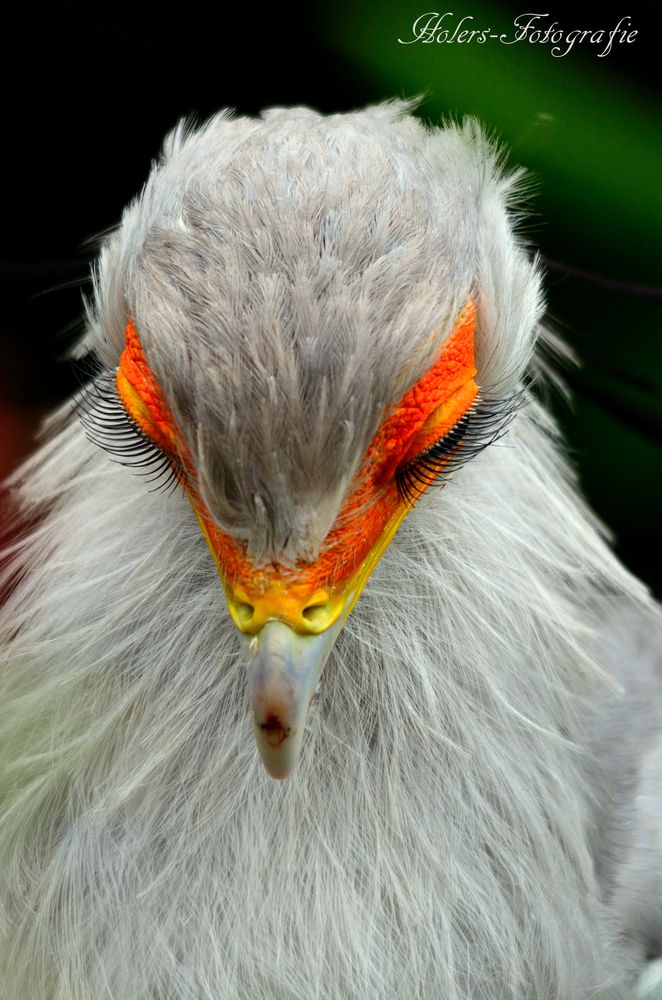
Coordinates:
[283,670]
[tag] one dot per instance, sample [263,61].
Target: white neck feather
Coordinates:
[434,841]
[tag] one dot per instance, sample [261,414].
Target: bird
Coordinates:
[320,679]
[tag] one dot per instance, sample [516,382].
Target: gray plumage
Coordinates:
[477,812]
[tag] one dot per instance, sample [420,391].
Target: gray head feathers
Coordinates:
[291,277]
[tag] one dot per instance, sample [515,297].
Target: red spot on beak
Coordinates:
[275,731]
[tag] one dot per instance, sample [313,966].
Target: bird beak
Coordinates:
[283,669]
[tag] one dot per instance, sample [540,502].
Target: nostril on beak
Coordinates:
[307,613]
[244,613]
[318,615]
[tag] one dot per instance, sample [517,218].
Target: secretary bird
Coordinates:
[302,328]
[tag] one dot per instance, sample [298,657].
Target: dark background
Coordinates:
[87,99]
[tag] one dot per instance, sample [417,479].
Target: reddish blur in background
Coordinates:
[87,103]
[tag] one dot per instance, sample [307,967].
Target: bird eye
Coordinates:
[481,425]
[108,425]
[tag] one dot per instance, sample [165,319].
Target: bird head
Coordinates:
[301,316]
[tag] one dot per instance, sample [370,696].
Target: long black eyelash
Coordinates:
[108,425]
[485,422]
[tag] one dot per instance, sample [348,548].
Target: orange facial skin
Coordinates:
[311,596]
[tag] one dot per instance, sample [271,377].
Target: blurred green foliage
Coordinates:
[588,130]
